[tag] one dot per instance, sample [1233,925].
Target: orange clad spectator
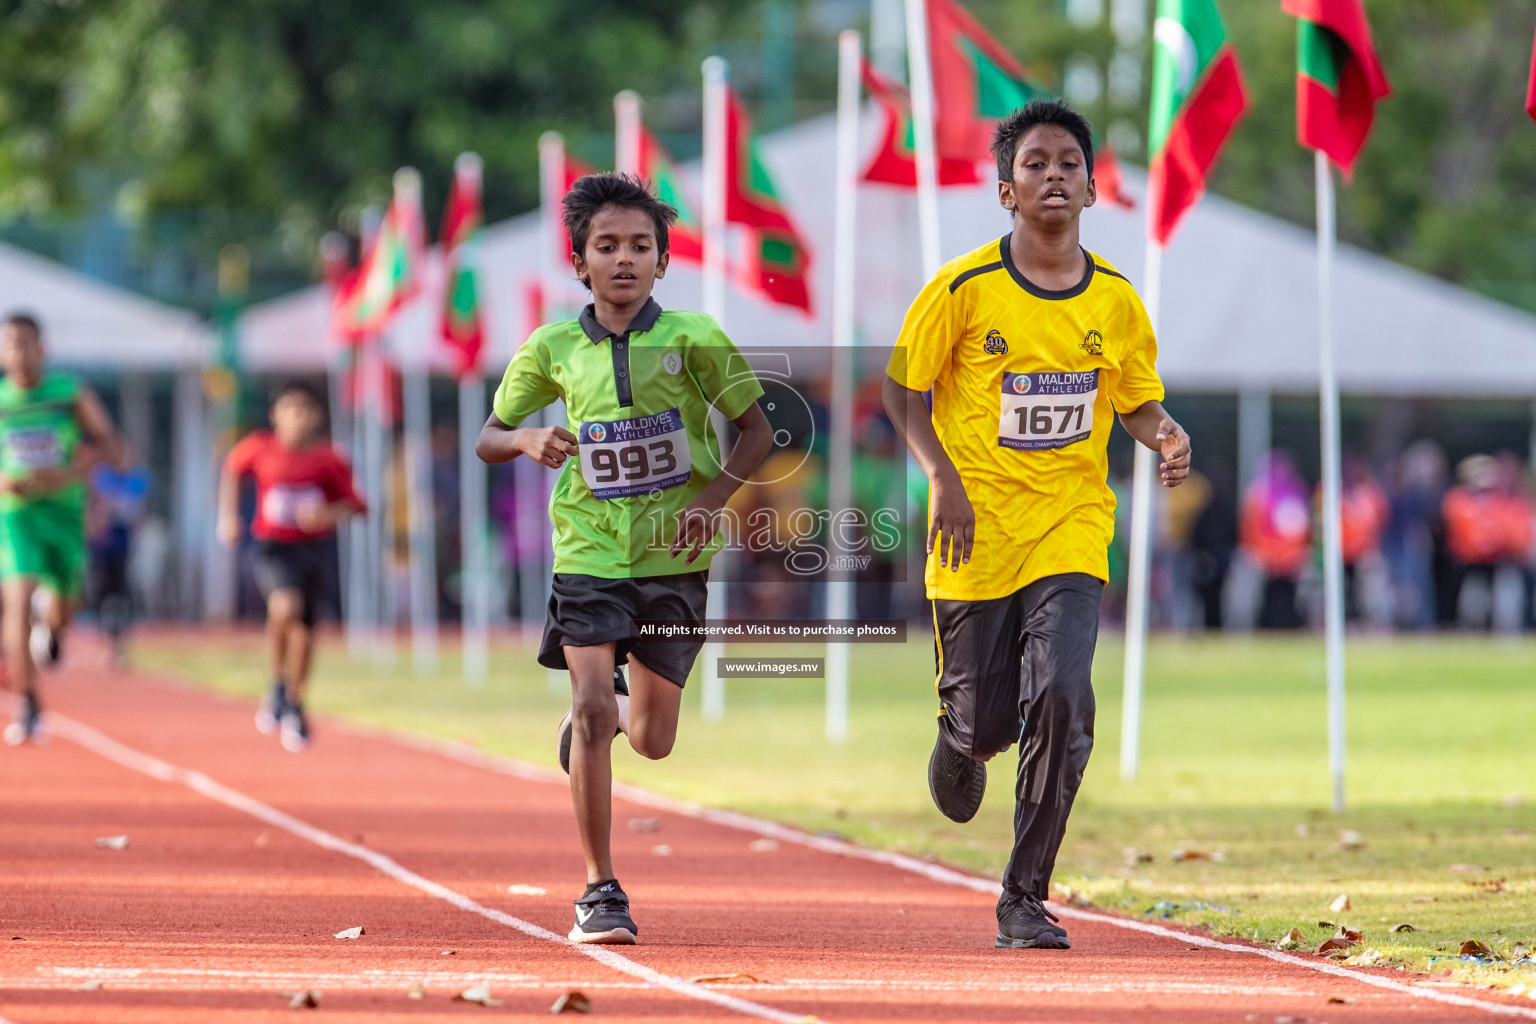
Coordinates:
[1474,513]
[1275,531]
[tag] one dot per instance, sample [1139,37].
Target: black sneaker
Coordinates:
[956,782]
[602,915]
[27,727]
[269,714]
[295,729]
[1024,923]
[563,731]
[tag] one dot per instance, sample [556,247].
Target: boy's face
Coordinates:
[1050,185]
[295,419]
[21,353]
[620,264]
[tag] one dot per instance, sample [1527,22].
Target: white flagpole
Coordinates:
[1139,577]
[840,447]
[474,559]
[1333,555]
[712,692]
[921,74]
[626,132]
[420,508]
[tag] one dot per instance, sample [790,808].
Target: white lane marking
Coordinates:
[112,750]
[935,872]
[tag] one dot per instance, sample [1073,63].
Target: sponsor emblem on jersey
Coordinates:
[672,363]
[995,344]
[597,432]
[1093,343]
[1022,383]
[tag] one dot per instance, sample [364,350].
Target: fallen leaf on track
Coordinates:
[1293,939]
[1474,948]
[1346,932]
[1425,899]
[572,1002]
[1340,905]
[763,845]
[449,952]
[1369,958]
[1180,856]
[1344,1000]
[1350,840]
[739,978]
[1332,944]
[661,850]
[303,1000]
[645,824]
[1464,868]
[350,933]
[480,994]
[90,986]
[527,890]
[1490,884]
[418,991]
[112,843]
[1404,927]
[1134,857]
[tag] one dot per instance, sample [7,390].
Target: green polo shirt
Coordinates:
[639,405]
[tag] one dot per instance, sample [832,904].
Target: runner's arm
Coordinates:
[97,426]
[548,446]
[952,522]
[229,504]
[697,522]
[1152,426]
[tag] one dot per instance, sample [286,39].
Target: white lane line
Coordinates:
[112,750]
[935,872]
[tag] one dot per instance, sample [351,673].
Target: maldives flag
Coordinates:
[976,83]
[1197,99]
[390,273]
[686,237]
[571,170]
[777,259]
[1338,78]
[460,324]
[1530,91]
[894,162]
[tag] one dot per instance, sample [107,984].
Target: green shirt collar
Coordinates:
[596,332]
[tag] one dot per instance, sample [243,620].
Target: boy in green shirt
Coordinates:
[634,513]
[44,418]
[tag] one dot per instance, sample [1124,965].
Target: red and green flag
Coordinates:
[1198,97]
[657,166]
[976,83]
[461,325]
[1338,78]
[894,161]
[777,263]
[390,273]
[571,170]
[1530,90]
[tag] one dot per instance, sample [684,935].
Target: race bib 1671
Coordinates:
[624,458]
[1049,409]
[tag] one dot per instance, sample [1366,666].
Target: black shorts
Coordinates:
[993,657]
[293,565]
[585,611]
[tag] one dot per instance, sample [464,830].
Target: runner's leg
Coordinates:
[654,702]
[594,722]
[17,621]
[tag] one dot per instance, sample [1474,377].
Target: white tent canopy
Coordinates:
[87,323]
[1239,292]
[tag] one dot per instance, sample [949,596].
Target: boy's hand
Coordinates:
[1174,443]
[321,517]
[953,525]
[229,530]
[696,526]
[548,446]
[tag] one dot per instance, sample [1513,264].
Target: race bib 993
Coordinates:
[624,458]
[1050,409]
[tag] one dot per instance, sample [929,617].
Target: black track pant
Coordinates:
[1019,668]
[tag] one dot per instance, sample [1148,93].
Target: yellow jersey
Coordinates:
[1026,382]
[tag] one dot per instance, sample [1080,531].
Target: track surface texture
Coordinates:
[243,861]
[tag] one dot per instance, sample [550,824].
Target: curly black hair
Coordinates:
[594,191]
[1011,129]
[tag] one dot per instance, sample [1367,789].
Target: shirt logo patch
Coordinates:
[1022,383]
[597,432]
[1093,343]
[672,363]
[995,344]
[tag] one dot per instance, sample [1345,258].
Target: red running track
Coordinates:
[243,861]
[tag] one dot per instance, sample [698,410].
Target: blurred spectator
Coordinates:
[1476,536]
[1212,540]
[116,504]
[1275,531]
[1409,540]
[1363,514]
[1518,531]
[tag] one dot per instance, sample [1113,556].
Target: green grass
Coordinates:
[1234,765]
